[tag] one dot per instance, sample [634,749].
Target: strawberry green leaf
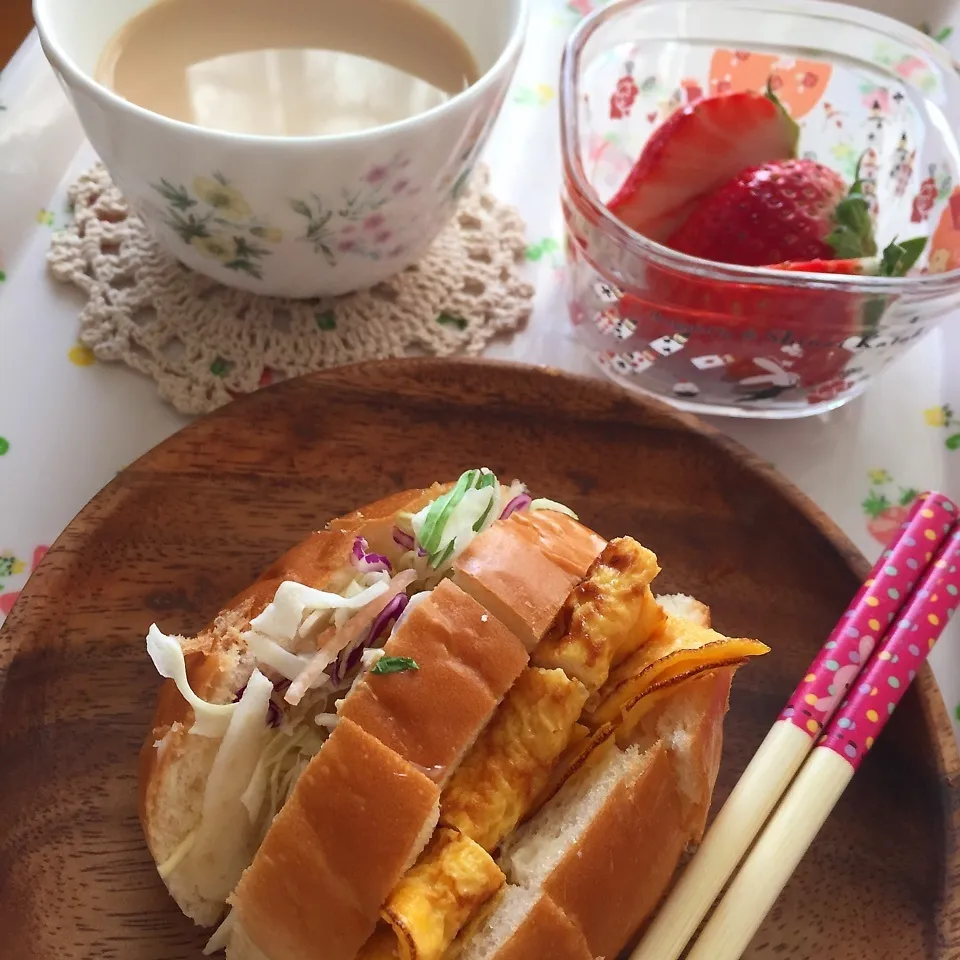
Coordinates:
[875,504]
[852,234]
[896,261]
[898,258]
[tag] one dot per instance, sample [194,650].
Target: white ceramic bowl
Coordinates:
[288,216]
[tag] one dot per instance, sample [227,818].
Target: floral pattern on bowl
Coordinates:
[377,218]
[214,218]
[353,225]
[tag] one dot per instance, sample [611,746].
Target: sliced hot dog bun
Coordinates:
[357,819]
[174,764]
[466,661]
[541,685]
[523,569]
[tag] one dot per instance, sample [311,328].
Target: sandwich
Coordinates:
[456,724]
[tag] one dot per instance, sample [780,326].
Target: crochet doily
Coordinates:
[204,343]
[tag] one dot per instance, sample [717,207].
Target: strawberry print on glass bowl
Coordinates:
[751,341]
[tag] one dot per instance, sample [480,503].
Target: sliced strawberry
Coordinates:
[698,148]
[897,259]
[851,267]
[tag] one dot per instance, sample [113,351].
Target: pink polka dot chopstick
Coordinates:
[813,750]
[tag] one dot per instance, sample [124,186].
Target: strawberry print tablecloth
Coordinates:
[69,423]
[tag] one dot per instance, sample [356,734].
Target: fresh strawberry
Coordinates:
[783,210]
[698,148]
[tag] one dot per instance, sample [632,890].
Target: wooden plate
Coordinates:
[193,521]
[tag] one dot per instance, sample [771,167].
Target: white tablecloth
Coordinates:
[68,423]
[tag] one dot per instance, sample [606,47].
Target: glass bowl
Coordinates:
[747,341]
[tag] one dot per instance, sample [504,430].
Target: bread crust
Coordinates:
[609,881]
[467,660]
[693,719]
[356,820]
[523,569]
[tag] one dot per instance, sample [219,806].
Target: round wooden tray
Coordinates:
[184,528]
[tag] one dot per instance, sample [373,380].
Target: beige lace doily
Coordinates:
[204,343]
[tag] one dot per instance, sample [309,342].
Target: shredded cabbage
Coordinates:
[542,503]
[412,604]
[341,616]
[210,719]
[283,617]
[221,936]
[370,657]
[224,835]
[444,528]
[514,490]
[270,653]
[342,643]
[287,751]
[252,797]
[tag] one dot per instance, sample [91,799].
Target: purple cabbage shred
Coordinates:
[403,539]
[520,502]
[369,562]
[274,714]
[349,660]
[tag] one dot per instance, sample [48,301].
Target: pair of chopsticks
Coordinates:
[813,750]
